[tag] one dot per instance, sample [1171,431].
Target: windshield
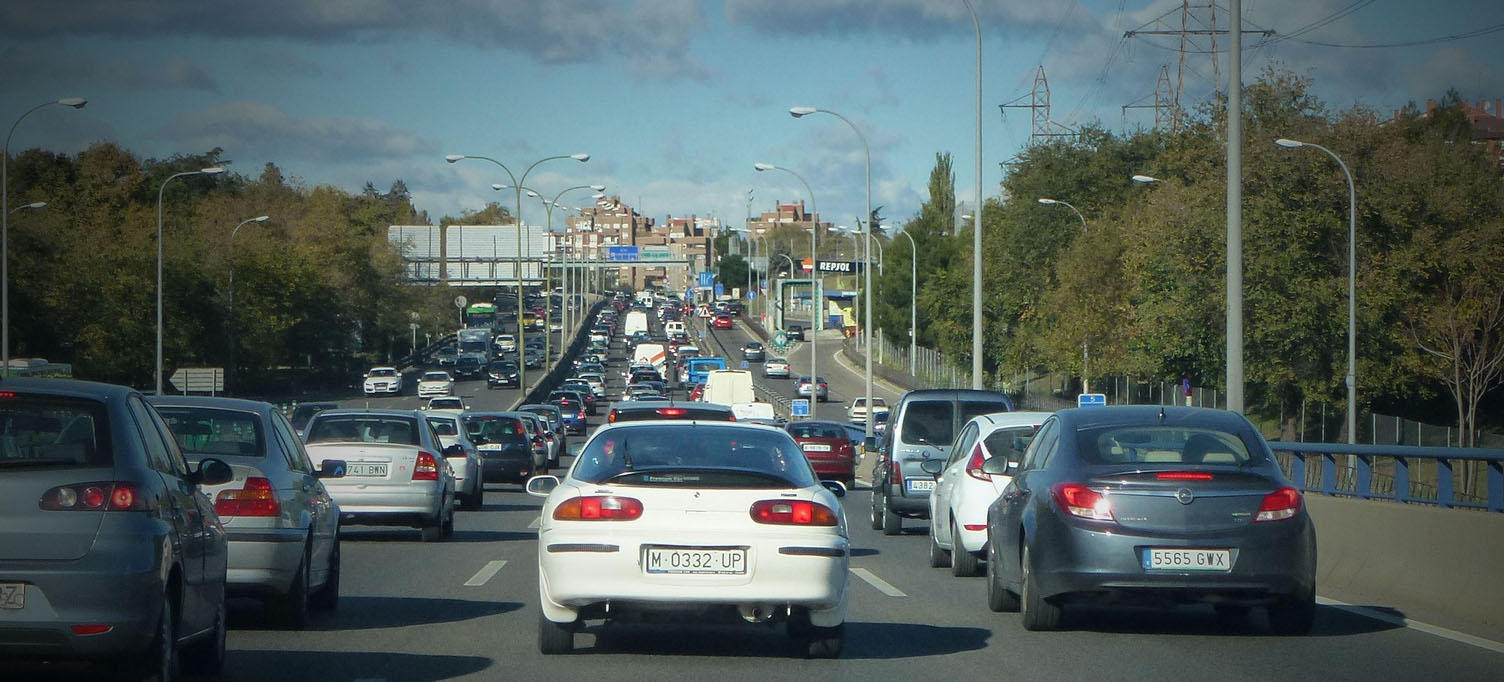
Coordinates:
[690,455]
[361,428]
[383,372]
[436,376]
[38,430]
[1162,445]
[211,431]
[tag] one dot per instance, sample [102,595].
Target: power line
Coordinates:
[1412,43]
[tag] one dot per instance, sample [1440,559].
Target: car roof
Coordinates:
[375,412]
[66,387]
[657,404]
[993,420]
[1136,415]
[240,404]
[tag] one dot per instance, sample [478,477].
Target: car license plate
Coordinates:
[377,470]
[12,595]
[1166,559]
[920,485]
[703,560]
[816,447]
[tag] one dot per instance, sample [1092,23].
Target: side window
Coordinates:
[1045,440]
[963,444]
[157,456]
[292,448]
[1047,453]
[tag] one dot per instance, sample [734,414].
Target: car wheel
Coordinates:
[1038,613]
[207,657]
[892,522]
[826,642]
[433,531]
[159,662]
[447,529]
[291,610]
[478,496]
[939,558]
[876,509]
[1295,614]
[327,598]
[963,564]
[554,638]
[999,598]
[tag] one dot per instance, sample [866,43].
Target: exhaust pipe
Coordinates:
[756,613]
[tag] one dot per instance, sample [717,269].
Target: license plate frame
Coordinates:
[922,485]
[1187,559]
[815,447]
[12,596]
[367,470]
[694,560]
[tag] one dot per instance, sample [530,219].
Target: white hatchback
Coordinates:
[683,516]
[435,383]
[963,492]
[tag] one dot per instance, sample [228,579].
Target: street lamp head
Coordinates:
[212,170]
[798,112]
[36,205]
[967,216]
[598,188]
[597,196]
[582,158]
[1047,202]
[498,186]
[531,194]
[75,102]
[763,166]
[1145,179]
[1288,143]
[451,158]
[261,218]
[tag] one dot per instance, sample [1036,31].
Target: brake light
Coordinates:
[581,414]
[99,496]
[671,411]
[974,465]
[7,395]
[1279,505]
[897,474]
[1081,501]
[255,498]
[793,513]
[1183,476]
[598,508]
[426,468]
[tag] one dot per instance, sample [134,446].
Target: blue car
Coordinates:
[573,412]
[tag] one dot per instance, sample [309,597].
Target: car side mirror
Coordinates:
[212,471]
[541,486]
[331,468]
[836,488]
[999,466]
[932,467]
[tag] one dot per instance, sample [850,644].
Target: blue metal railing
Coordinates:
[1389,472]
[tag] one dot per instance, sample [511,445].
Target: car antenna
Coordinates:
[1161,415]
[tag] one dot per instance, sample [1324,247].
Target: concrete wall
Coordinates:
[1420,560]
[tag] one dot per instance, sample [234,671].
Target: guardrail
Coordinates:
[1409,474]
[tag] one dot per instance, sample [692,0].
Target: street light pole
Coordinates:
[913,309]
[799,112]
[230,257]
[1053,202]
[1085,347]
[1352,285]
[976,241]
[76,103]
[819,305]
[213,170]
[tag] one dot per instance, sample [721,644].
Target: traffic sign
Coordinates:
[720,290]
[653,253]
[460,301]
[744,364]
[199,379]
[799,408]
[707,278]
[1091,400]
[621,253]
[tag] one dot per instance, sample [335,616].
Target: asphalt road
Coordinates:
[467,608]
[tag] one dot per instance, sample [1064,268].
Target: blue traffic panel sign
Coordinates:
[707,278]
[621,253]
[1091,400]
[800,407]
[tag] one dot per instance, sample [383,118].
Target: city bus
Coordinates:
[480,315]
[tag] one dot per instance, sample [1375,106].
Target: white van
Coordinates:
[653,354]
[673,327]
[729,387]
[637,321]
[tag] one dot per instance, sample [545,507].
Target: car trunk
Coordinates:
[692,509]
[241,468]
[368,464]
[825,448]
[1165,501]
[28,532]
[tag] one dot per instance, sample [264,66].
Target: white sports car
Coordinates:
[683,516]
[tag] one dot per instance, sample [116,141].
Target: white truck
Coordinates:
[652,354]
[474,340]
[637,321]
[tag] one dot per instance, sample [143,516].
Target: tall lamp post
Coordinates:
[212,170]
[1085,348]
[976,240]
[230,247]
[913,309]
[517,185]
[1352,285]
[76,103]
[800,112]
[816,323]
[1055,202]
[548,297]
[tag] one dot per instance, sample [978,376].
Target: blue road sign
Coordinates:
[720,290]
[800,407]
[707,278]
[744,364]
[1091,400]
[621,253]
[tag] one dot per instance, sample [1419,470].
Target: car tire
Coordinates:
[1293,615]
[433,531]
[207,657]
[876,508]
[290,610]
[447,528]
[554,638]
[999,597]
[963,564]
[892,522]
[327,598]
[477,499]
[939,558]
[1038,613]
[159,662]
[826,642]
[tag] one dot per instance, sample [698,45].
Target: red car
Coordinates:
[827,448]
[696,391]
[721,322]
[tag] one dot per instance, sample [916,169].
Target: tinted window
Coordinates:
[363,429]
[40,430]
[806,430]
[1047,436]
[211,431]
[1010,442]
[962,447]
[296,455]
[720,457]
[443,426]
[156,446]
[1160,444]
[494,429]
[928,422]
[305,412]
[972,408]
[383,372]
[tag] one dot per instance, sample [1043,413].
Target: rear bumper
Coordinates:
[119,584]
[510,467]
[406,506]
[263,561]
[841,470]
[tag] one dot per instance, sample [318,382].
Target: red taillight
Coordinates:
[846,450]
[255,498]
[598,508]
[1081,501]
[1183,476]
[611,418]
[897,474]
[793,513]
[99,496]
[974,465]
[7,395]
[87,629]
[1279,505]
[671,411]
[426,468]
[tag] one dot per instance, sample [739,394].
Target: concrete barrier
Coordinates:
[1423,561]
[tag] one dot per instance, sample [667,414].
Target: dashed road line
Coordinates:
[1401,621]
[485,574]
[882,586]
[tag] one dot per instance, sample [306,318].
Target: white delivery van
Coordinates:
[729,387]
[673,327]
[653,354]
[637,321]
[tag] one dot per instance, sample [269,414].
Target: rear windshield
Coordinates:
[637,414]
[1010,443]
[355,428]
[40,430]
[816,431]
[686,455]
[494,429]
[930,422]
[443,427]
[1162,445]
[210,431]
[303,413]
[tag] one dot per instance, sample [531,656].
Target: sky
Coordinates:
[674,100]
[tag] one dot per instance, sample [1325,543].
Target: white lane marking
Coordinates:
[882,585]
[534,523]
[485,574]
[1400,621]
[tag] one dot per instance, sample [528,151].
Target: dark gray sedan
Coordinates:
[108,549]
[1143,504]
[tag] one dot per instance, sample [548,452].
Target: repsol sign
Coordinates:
[838,267]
